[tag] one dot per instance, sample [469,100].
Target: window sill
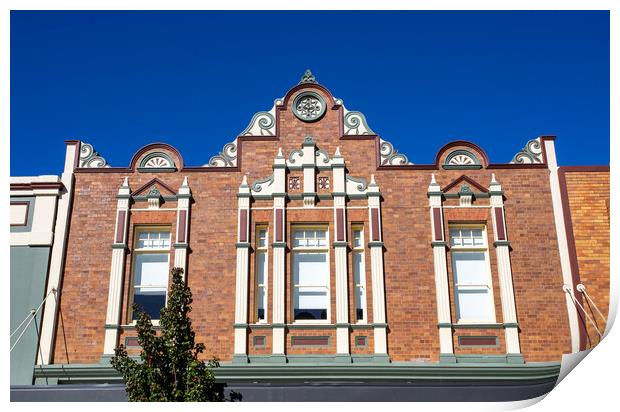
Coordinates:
[133,325]
[477,325]
[311,322]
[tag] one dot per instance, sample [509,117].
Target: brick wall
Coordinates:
[408,257]
[587,191]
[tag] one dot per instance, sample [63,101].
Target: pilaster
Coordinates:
[376,270]
[503,268]
[279,249]
[308,163]
[241,283]
[340,251]
[444,317]
[184,197]
[117,271]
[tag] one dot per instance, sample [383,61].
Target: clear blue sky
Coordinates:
[120,80]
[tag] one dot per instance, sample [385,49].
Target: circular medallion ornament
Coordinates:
[308,106]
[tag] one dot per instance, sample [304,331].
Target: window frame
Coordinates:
[359,250]
[261,250]
[297,249]
[135,252]
[484,248]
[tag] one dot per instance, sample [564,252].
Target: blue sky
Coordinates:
[120,80]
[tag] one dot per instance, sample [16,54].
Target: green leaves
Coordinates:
[169,368]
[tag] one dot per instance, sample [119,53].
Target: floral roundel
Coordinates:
[309,107]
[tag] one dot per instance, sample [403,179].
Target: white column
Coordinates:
[376,271]
[504,272]
[446,349]
[279,249]
[180,247]
[117,271]
[50,312]
[558,214]
[241,284]
[340,252]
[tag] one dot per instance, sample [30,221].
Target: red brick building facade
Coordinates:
[463,261]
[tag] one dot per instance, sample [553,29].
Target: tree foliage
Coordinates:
[169,368]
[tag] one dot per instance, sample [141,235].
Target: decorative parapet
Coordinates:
[355,123]
[226,158]
[322,158]
[308,106]
[263,123]
[356,185]
[89,158]
[390,156]
[530,154]
[296,156]
[263,186]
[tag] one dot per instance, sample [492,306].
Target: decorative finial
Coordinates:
[308,77]
[493,181]
[244,182]
[337,154]
[185,183]
[372,180]
[433,181]
[125,182]
[280,152]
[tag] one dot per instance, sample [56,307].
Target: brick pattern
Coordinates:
[588,195]
[408,257]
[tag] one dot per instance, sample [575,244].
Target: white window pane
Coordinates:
[470,268]
[360,298]
[310,303]
[153,240]
[358,238]
[151,269]
[261,268]
[474,305]
[311,297]
[262,238]
[260,297]
[149,301]
[477,233]
[310,269]
[358,268]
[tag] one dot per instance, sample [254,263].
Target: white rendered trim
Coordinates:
[558,214]
[57,261]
